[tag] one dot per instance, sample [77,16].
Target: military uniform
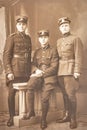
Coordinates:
[45,59]
[69,48]
[17,61]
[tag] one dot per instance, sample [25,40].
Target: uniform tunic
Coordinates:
[17,55]
[46,59]
[17,60]
[70,55]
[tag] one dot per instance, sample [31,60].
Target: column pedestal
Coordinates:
[18,121]
[22,88]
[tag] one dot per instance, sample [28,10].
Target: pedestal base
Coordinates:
[20,122]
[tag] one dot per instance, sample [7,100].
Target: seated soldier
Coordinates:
[45,65]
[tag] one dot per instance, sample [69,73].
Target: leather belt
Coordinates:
[21,56]
[66,58]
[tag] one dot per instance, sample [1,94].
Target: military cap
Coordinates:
[43,33]
[23,19]
[63,20]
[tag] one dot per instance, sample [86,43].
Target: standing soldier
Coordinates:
[17,61]
[69,48]
[45,64]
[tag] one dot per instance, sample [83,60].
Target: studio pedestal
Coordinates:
[22,88]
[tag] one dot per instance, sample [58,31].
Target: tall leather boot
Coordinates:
[31,112]
[66,117]
[45,106]
[11,105]
[73,122]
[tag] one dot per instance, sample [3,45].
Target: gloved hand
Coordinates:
[10,76]
[38,73]
[76,75]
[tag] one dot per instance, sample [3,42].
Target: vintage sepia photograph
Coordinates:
[43,65]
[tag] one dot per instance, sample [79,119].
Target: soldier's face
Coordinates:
[64,28]
[21,27]
[43,40]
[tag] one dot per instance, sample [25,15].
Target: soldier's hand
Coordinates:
[76,75]
[10,76]
[39,72]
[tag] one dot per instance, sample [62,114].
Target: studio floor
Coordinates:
[51,119]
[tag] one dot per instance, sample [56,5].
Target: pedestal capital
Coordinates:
[20,86]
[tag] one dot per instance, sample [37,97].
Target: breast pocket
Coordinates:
[48,60]
[68,47]
[19,46]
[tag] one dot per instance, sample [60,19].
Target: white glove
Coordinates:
[76,75]
[39,72]
[10,76]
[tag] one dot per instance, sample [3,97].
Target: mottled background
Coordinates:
[44,14]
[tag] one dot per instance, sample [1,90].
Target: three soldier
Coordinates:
[65,61]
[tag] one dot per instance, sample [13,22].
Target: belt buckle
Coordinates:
[26,55]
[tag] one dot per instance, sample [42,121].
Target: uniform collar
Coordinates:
[46,47]
[66,34]
[22,34]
